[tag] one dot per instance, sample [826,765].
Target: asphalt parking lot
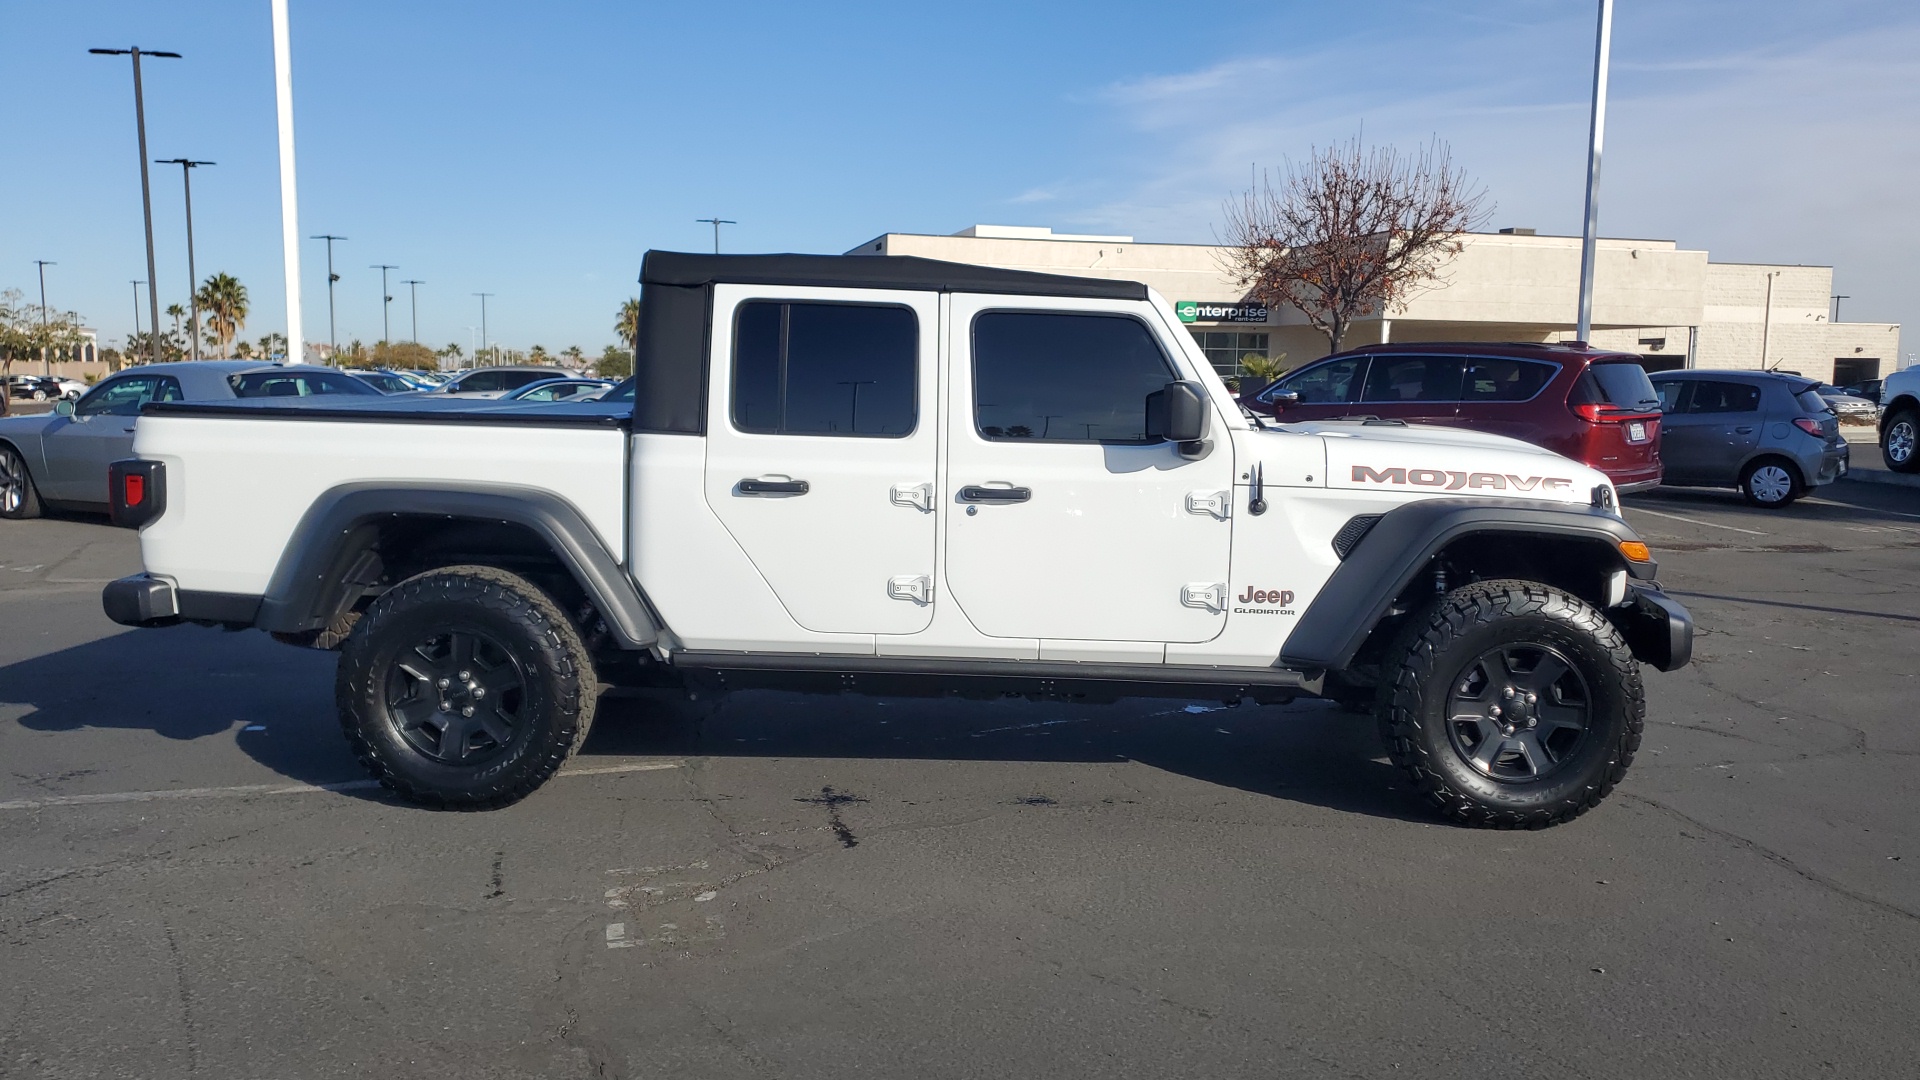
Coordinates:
[196,881]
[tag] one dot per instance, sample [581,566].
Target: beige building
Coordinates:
[1675,307]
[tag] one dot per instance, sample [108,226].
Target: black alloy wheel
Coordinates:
[455,697]
[1518,712]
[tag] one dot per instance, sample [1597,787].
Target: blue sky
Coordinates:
[535,151]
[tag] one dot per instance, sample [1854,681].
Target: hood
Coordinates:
[1421,459]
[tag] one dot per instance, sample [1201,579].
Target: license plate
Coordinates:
[1636,431]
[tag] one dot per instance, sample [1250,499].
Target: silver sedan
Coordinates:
[59,459]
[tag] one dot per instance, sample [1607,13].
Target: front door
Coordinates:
[822,439]
[1064,521]
[100,432]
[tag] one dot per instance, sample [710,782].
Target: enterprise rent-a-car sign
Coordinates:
[1195,311]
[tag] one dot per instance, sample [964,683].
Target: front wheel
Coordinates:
[1898,441]
[465,687]
[1513,705]
[18,498]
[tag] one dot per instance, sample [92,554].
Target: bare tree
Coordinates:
[1351,232]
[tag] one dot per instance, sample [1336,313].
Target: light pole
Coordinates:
[413,295]
[716,222]
[1766,320]
[289,197]
[1603,47]
[193,283]
[333,342]
[386,300]
[1836,298]
[483,325]
[46,353]
[136,316]
[146,191]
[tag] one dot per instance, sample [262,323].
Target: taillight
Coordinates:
[136,491]
[1809,425]
[1603,413]
[1590,412]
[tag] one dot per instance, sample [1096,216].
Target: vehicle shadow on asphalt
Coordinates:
[274,701]
[1308,752]
[160,681]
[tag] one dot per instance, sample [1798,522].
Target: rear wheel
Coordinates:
[19,499]
[1898,441]
[1771,483]
[465,687]
[1513,705]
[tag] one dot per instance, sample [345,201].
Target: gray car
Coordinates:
[60,459]
[1771,436]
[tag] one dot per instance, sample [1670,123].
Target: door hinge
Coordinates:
[1211,597]
[918,496]
[915,587]
[1217,504]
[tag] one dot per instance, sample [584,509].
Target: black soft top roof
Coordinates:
[688,270]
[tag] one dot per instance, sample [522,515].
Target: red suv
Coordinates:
[1593,406]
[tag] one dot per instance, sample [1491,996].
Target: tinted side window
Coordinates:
[1724,397]
[1327,384]
[1498,378]
[124,396]
[514,380]
[482,381]
[825,369]
[1064,377]
[1414,378]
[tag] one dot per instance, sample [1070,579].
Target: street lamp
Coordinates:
[136,316]
[386,301]
[483,325]
[46,353]
[716,222]
[1603,47]
[146,192]
[193,282]
[413,293]
[333,342]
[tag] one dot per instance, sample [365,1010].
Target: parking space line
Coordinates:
[242,791]
[1859,509]
[1692,521]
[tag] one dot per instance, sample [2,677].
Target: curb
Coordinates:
[1881,476]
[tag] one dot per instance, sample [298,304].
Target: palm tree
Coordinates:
[223,304]
[627,324]
[176,312]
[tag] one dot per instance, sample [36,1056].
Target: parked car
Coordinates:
[1069,505]
[1772,436]
[1867,388]
[1846,405]
[1591,405]
[37,387]
[60,459]
[561,390]
[1900,420]
[387,382]
[493,382]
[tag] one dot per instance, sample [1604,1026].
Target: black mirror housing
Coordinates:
[1178,413]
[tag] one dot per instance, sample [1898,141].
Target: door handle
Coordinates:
[974,494]
[773,487]
[1743,430]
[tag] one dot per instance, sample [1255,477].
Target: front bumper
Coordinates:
[1657,628]
[141,600]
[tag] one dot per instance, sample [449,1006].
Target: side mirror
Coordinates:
[1178,413]
[1283,398]
[63,407]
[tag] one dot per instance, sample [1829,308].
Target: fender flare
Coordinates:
[1385,561]
[334,534]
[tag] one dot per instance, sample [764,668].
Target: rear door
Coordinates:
[1064,521]
[822,442]
[1714,433]
[1417,389]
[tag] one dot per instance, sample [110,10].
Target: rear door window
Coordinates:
[1673,394]
[1397,379]
[1500,378]
[1714,396]
[1325,384]
[825,369]
[1064,377]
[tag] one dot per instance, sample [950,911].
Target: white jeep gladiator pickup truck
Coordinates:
[906,477]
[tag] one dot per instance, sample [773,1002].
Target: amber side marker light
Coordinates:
[1636,551]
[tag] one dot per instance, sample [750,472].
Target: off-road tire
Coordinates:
[1796,485]
[1902,434]
[19,499]
[1429,655]
[555,701]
